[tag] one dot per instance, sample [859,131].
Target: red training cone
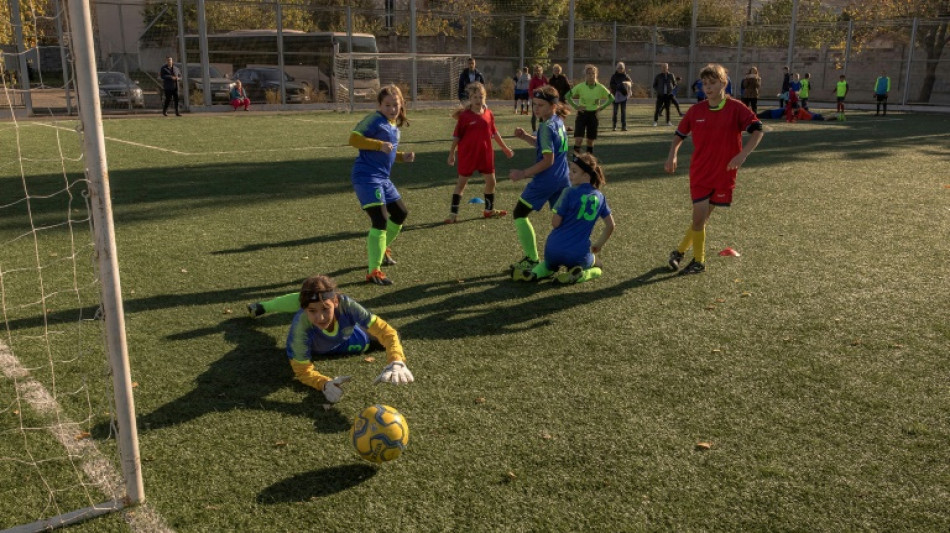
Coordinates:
[729,252]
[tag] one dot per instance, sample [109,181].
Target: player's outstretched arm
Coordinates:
[396,371]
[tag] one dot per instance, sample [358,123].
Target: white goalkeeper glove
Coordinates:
[396,373]
[333,390]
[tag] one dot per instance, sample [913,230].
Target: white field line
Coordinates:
[178,152]
[96,467]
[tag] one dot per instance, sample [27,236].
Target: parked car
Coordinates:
[220,86]
[117,90]
[258,81]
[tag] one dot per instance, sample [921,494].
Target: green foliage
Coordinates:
[37,27]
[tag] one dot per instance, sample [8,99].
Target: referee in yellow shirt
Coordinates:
[588,98]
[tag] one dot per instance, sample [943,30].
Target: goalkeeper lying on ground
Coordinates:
[328,322]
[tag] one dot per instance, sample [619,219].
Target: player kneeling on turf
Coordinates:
[575,214]
[330,323]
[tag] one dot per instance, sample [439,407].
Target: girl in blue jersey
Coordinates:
[549,174]
[575,214]
[329,323]
[377,138]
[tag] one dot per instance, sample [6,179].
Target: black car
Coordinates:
[258,81]
[220,86]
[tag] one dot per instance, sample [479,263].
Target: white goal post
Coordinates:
[61,313]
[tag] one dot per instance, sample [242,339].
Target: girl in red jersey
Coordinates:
[474,131]
[716,126]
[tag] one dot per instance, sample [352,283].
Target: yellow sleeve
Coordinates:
[307,375]
[400,157]
[388,337]
[363,143]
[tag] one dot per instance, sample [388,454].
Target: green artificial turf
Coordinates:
[813,366]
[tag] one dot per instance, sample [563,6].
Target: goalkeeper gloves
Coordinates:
[333,390]
[396,373]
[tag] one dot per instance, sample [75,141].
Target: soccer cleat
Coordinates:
[255,309]
[654,123]
[494,213]
[694,267]
[451,219]
[523,275]
[377,277]
[675,258]
[526,263]
[668,123]
[388,258]
[571,276]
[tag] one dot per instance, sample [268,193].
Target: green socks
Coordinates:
[527,238]
[375,246]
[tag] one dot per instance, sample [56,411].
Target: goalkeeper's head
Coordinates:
[317,289]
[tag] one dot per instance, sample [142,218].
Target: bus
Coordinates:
[309,57]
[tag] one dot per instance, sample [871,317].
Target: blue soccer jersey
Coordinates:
[548,184]
[304,340]
[552,138]
[373,166]
[569,243]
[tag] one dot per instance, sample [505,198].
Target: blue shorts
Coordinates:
[378,193]
[558,258]
[538,192]
[358,342]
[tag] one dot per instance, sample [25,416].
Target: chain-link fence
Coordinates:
[294,56]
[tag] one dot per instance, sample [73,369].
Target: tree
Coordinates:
[932,37]
[37,28]
[815,24]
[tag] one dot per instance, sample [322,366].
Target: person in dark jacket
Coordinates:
[170,75]
[560,82]
[663,86]
[468,76]
[620,86]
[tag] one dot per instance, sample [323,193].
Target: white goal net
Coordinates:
[424,79]
[62,380]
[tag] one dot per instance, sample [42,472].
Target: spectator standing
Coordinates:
[751,84]
[786,80]
[881,87]
[806,89]
[841,91]
[522,81]
[663,85]
[537,81]
[560,82]
[170,75]
[620,86]
[468,76]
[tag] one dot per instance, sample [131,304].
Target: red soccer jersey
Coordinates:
[474,132]
[717,138]
[537,82]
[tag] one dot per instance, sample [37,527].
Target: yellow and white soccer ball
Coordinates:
[379,433]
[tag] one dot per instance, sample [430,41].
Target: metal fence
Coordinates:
[135,39]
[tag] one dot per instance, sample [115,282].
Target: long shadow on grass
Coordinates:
[499,306]
[316,484]
[241,379]
[318,239]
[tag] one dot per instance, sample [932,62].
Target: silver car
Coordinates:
[117,90]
